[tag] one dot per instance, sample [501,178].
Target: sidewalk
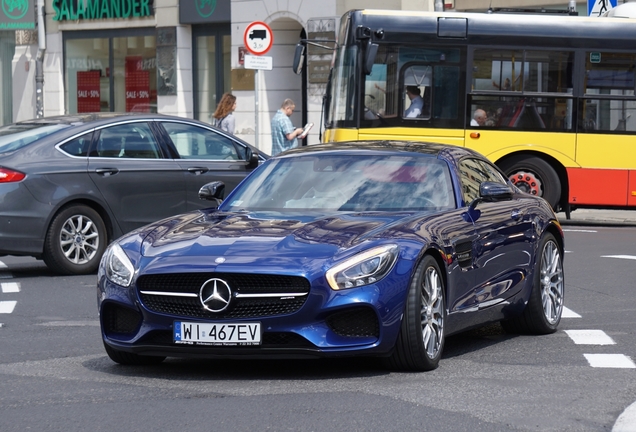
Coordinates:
[599,217]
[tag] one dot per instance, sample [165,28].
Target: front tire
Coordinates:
[543,311]
[421,340]
[75,241]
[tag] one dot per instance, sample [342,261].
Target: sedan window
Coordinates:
[193,142]
[131,140]
[78,146]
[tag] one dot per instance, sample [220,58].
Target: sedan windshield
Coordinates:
[337,182]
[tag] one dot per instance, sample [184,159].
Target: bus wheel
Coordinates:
[535,176]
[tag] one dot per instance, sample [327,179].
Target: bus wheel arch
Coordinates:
[537,174]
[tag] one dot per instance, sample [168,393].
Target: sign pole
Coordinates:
[258,39]
[256,108]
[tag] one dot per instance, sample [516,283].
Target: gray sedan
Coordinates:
[70,184]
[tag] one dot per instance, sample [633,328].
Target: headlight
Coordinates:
[117,266]
[363,269]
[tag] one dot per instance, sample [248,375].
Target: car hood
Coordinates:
[220,234]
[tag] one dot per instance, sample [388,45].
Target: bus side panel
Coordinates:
[598,186]
[338,135]
[495,144]
[443,136]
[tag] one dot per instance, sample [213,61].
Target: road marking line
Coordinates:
[590,337]
[626,422]
[7,306]
[569,313]
[10,287]
[619,361]
[579,230]
[629,257]
[2,265]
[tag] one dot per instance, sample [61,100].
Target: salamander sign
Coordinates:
[17,15]
[72,10]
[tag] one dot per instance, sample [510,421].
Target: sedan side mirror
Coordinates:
[252,158]
[491,192]
[212,191]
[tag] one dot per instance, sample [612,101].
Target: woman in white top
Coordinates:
[222,117]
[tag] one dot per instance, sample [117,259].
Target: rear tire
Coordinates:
[75,241]
[131,359]
[545,306]
[421,340]
[535,176]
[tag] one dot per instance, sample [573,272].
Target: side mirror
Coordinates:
[492,191]
[252,158]
[212,191]
[299,59]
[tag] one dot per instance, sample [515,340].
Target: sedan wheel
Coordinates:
[421,340]
[543,312]
[75,241]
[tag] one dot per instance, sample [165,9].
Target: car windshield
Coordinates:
[15,136]
[338,182]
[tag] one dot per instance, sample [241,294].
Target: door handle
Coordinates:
[198,170]
[105,172]
[517,214]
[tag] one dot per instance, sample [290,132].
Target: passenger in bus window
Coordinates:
[417,103]
[479,118]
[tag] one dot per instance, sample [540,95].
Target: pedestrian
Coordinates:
[223,117]
[284,134]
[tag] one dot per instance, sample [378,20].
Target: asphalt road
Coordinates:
[55,375]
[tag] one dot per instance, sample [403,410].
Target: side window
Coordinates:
[78,146]
[418,80]
[408,83]
[521,89]
[130,140]
[193,142]
[473,173]
[610,103]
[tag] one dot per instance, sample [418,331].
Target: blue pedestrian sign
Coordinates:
[599,7]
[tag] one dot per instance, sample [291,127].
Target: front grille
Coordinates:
[117,319]
[357,322]
[244,284]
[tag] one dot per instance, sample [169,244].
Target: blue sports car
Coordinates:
[359,248]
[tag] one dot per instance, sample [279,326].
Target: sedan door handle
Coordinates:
[198,170]
[517,214]
[106,171]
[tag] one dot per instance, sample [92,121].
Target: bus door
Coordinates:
[415,93]
[605,140]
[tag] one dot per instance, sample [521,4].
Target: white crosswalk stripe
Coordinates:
[590,337]
[627,257]
[569,313]
[10,287]
[618,361]
[6,307]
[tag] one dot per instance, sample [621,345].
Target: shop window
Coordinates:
[91,85]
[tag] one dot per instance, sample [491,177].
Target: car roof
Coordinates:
[426,148]
[78,119]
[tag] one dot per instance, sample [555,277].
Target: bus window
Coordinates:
[609,90]
[417,91]
[498,69]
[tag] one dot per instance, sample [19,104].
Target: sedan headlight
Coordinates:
[363,269]
[117,266]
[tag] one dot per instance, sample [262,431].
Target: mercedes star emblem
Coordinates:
[215,295]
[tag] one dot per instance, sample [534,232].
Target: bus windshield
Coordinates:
[342,88]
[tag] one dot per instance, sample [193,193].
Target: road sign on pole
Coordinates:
[258,38]
[599,7]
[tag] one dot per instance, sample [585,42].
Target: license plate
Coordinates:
[194,333]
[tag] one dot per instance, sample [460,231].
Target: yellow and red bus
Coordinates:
[548,98]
